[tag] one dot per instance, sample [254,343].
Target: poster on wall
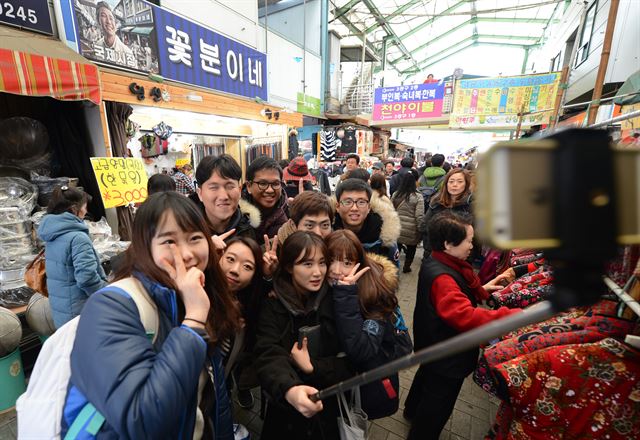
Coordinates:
[496,102]
[137,35]
[118,33]
[414,101]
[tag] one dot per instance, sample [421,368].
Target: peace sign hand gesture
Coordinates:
[218,240]
[354,276]
[190,284]
[270,256]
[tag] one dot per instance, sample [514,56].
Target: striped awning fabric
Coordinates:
[45,67]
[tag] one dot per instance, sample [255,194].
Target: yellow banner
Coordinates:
[121,180]
[633,123]
[486,103]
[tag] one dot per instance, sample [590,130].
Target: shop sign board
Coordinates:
[308,105]
[121,180]
[414,101]
[27,14]
[487,103]
[140,36]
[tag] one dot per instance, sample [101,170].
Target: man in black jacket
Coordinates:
[406,164]
[218,195]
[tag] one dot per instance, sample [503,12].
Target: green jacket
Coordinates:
[430,176]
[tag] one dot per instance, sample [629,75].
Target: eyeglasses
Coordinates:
[263,184]
[348,203]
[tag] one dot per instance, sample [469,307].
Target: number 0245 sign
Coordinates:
[121,180]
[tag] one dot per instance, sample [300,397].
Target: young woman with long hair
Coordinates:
[455,196]
[288,373]
[241,263]
[366,309]
[171,385]
[409,204]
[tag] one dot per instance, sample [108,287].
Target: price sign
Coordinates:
[121,180]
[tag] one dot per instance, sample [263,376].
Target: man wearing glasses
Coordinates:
[218,195]
[376,225]
[264,191]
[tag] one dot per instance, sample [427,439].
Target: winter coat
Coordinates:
[430,176]
[280,318]
[411,213]
[244,221]
[368,343]
[72,265]
[380,231]
[271,219]
[143,390]
[396,178]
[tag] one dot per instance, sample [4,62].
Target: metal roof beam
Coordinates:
[342,11]
[515,20]
[471,44]
[508,37]
[395,13]
[389,30]
[434,39]
[431,20]
[437,54]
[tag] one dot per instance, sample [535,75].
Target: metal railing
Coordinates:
[357,99]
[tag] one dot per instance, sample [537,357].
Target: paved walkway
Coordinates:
[474,412]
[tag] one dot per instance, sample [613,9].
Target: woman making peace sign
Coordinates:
[288,373]
[174,386]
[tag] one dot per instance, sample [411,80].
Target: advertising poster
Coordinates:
[487,103]
[415,101]
[137,35]
[118,33]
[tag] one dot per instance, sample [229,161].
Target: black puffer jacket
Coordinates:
[280,318]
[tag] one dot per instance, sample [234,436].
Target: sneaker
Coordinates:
[240,432]
[245,399]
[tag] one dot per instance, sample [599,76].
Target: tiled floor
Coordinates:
[474,412]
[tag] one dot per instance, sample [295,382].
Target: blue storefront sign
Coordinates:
[138,35]
[27,14]
[193,54]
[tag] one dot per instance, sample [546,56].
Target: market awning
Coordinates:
[142,30]
[36,65]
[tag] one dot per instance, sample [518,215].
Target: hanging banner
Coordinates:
[488,103]
[121,180]
[137,35]
[416,101]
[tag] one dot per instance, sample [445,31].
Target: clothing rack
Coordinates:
[264,147]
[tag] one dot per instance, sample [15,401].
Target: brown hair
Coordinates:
[310,203]
[377,298]
[445,198]
[300,242]
[224,314]
[379,184]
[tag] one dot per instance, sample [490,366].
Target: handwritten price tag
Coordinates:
[121,180]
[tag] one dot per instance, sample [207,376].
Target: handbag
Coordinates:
[352,422]
[35,275]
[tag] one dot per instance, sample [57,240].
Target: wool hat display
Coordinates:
[297,170]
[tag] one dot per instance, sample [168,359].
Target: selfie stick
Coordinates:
[583,202]
[457,344]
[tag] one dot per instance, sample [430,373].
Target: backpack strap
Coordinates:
[146,306]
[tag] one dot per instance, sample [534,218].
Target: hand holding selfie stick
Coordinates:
[583,203]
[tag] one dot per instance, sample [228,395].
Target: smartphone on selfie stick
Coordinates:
[573,195]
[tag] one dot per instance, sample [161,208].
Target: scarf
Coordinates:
[464,269]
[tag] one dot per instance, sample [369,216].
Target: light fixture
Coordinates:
[193,97]
[267,113]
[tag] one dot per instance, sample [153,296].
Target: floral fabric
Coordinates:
[584,391]
[524,291]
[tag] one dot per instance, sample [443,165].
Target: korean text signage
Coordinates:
[27,14]
[416,101]
[140,36]
[308,105]
[121,180]
[496,102]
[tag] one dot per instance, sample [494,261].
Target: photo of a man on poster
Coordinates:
[110,46]
[118,32]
